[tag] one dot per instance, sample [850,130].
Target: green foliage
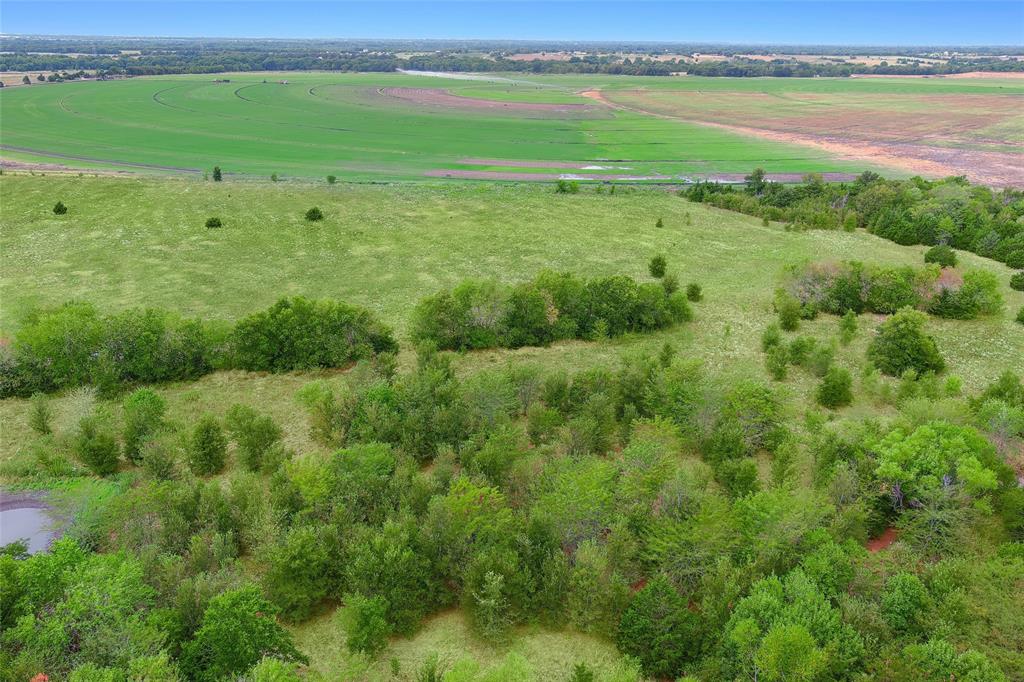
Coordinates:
[143,416]
[301,570]
[1020,315]
[314,214]
[331,179]
[942,255]
[95,445]
[694,292]
[490,609]
[366,625]
[934,455]
[903,602]
[255,435]
[835,389]
[298,333]
[213,222]
[207,447]
[788,309]
[59,208]
[41,415]
[1017,281]
[217,177]
[901,344]
[937,661]
[567,187]
[847,327]
[658,629]
[657,266]
[777,362]
[238,630]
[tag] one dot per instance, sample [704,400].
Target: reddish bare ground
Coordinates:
[888,536]
[466,174]
[442,98]
[897,140]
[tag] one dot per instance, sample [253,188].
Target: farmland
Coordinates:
[367,127]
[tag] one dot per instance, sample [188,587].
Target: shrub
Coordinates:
[314,214]
[59,208]
[331,179]
[542,423]
[298,333]
[847,327]
[835,389]
[788,308]
[207,447]
[694,292]
[659,630]
[659,223]
[143,414]
[657,266]
[1017,281]
[217,174]
[213,222]
[903,602]
[777,362]
[941,254]
[254,433]
[771,337]
[902,344]
[40,415]
[367,628]
[95,446]
[238,629]
[567,187]
[301,570]
[670,283]
[273,177]
[158,461]
[1020,315]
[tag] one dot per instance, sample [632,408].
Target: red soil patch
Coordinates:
[888,536]
[442,98]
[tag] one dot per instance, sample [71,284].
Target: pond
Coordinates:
[25,517]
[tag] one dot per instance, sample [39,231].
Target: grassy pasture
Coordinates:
[346,125]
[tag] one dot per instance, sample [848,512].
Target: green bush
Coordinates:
[213,222]
[302,568]
[657,266]
[670,283]
[217,177]
[314,214]
[1020,315]
[40,415]
[207,447]
[59,208]
[95,445]
[941,254]
[902,344]
[298,333]
[143,415]
[694,292]
[1017,281]
[788,309]
[777,362]
[659,630]
[835,389]
[542,423]
[567,187]
[331,179]
[771,337]
[903,602]
[254,433]
[366,625]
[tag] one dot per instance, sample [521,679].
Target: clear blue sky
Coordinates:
[847,22]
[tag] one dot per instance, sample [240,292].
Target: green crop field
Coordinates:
[349,125]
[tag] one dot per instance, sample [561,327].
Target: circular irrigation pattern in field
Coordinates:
[370,127]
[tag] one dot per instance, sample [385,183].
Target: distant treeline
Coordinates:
[155,57]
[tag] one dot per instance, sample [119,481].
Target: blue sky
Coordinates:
[896,22]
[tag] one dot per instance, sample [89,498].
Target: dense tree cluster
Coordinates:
[75,344]
[551,307]
[951,212]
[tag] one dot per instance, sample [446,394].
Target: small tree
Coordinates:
[847,327]
[331,179]
[659,630]
[491,609]
[1017,281]
[207,447]
[902,344]
[657,266]
[694,292]
[941,254]
[776,361]
[213,222]
[670,283]
[143,415]
[59,208]
[95,446]
[788,308]
[835,389]
[314,214]
[26,80]
[1020,315]
[216,174]
[367,627]
[41,414]
[41,78]
[273,177]
[903,602]
[254,433]
[567,187]
[659,223]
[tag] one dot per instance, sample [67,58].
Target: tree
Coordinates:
[59,208]
[847,327]
[903,602]
[143,416]
[659,630]
[213,223]
[657,266]
[941,254]
[41,414]
[1017,281]
[207,447]
[659,223]
[694,292]
[835,389]
[789,652]
[26,80]
[254,433]
[902,344]
[491,609]
[331,179]
[238,629]
[788,308]
[41,78]
[756,182]
[314,214]
[367,627]
[216,174]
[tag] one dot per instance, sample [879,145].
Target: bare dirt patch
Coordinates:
[888,536]
[436,97]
